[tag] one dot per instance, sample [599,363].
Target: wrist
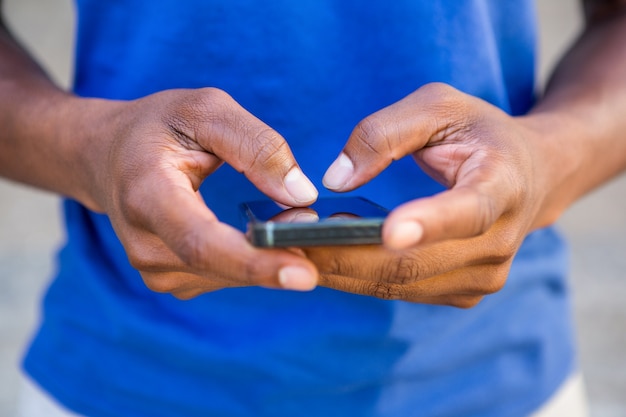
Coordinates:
[85,133]
[556,140]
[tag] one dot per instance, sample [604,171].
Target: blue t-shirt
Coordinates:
[311,69]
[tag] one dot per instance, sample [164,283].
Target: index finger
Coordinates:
[459,213]
[208,247]
[423,117]
[216,122]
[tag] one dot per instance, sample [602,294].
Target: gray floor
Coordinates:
[30,230]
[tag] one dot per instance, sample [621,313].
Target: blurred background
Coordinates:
[30,230]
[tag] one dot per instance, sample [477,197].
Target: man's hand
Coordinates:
[506,176]
[143,166]
[141,163]
[455,247]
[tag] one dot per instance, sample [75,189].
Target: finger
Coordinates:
[221,126]
[189,294]
[297,215]
[478,280]
[467,283]
[210,248]
[162,271]
[147,253]
[459,213]
[386,291]
[376,263]
[400,129]
[182,285]
[457,300]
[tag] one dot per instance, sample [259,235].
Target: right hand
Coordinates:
[146,160]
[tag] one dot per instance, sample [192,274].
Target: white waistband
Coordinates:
[570,400]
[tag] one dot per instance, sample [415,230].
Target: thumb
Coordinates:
[421,118]
[217,123]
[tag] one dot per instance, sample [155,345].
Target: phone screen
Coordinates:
[324,208]
[329,221]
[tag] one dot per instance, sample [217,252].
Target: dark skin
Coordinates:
[141,162]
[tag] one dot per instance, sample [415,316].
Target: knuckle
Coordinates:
[491,280]
[141,250]
[138,259]
[332,262]
[402,270]
[450,106]
[340,266]
[212,95]
[161,283]
[132,204]
[213,105]
[268,149]
[187,295]
[441,94]
[504,246]
[371,133]
[184,296]
[206,101]
[198,113]
[493,283]
[191,250]
[384,290]
[465,301]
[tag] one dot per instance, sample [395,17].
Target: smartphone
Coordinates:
[328,222]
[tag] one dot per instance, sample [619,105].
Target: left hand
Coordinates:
[455,247]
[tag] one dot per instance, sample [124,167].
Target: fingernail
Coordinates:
[300,187]
[406,234]
[296,216]
[339,173]
[296,278]
[305,218]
